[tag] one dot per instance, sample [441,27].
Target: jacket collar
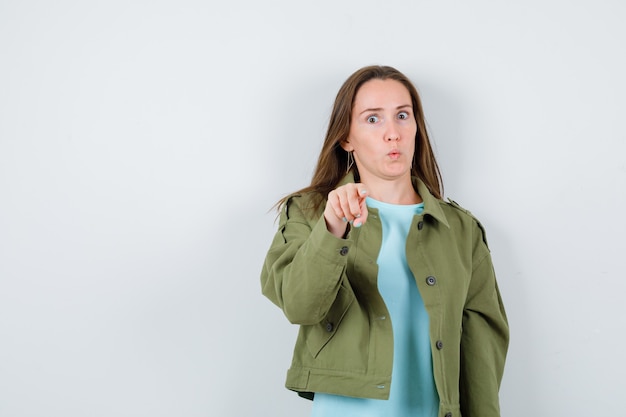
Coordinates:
[432,206]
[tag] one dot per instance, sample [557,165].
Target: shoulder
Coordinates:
[302,206]
[455,211]
[457,207]
[301,200]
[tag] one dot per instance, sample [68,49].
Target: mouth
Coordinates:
[394,154]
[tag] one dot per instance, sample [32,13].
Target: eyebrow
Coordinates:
[377,109]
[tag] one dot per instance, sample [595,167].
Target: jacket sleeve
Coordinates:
[484,339]
[303,268]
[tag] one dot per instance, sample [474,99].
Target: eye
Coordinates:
[403,115]
[372,119]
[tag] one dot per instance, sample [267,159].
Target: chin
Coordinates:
[393,175]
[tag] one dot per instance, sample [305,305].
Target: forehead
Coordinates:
[378,93]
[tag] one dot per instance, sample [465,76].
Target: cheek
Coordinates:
[362,137]
[410,132]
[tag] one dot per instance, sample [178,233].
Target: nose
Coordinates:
[392,133]
[392,136]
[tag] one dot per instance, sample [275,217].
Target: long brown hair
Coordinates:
[332,164]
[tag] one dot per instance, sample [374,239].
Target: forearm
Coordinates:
[303,270]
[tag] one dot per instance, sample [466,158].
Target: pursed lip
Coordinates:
[394,154]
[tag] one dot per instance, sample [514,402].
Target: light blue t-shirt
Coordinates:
[413,392]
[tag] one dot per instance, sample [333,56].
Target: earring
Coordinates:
[350,161]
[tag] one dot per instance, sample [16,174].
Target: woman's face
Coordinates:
[382,131]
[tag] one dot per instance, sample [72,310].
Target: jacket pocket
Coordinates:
[318,335]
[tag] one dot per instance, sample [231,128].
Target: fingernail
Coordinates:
[358,215]
[357,224]
[363,191]
[344,219]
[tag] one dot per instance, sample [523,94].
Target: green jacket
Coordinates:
[328,286]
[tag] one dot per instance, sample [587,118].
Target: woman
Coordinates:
[393,288]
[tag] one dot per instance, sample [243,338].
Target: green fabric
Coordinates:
[328,286]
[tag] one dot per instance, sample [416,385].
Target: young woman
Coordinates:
[393,288]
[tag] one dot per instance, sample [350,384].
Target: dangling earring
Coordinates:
[350,161]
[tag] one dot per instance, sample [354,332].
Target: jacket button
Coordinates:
[439,344]
[329,327]
[420,225]
[343,251]
[431,280]
[448,415]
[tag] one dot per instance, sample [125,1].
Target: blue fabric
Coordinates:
[413,392]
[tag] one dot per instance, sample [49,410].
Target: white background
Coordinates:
[142,145]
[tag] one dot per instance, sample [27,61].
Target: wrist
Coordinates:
[339,228]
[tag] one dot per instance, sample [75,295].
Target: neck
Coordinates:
[398,191]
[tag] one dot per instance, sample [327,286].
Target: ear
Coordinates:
[346,146]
